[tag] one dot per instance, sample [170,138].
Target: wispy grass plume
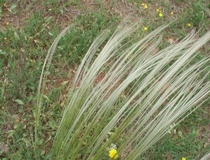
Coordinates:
[128,93]
[42,81]
[206,157]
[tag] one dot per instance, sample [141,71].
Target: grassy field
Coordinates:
[27,29]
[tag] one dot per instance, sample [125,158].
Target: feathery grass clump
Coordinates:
[130,94]
[206,157]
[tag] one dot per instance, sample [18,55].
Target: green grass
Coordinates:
[24,46]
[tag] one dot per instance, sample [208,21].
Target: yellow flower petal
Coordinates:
[146,6]
[189,24]
[113,154]
[145,28]
[184,158]
[160,14]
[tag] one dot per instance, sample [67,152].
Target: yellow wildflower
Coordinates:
[113,154]
[189,24]
[160,14]
[145,28]
[172,13]
[7,23]
[144,5]
[184,158]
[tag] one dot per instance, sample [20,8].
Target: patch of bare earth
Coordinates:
[24,10]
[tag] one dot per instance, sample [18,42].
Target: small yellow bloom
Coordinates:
[145,28]
[144,5]
[172,13]
[113,154]
[184,158]
[189,24]
[5,38]
[160,14]
[7,23]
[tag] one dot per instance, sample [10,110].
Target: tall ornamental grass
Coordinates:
[127,94]
[206,157]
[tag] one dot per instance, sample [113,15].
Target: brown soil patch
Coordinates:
[25,10]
